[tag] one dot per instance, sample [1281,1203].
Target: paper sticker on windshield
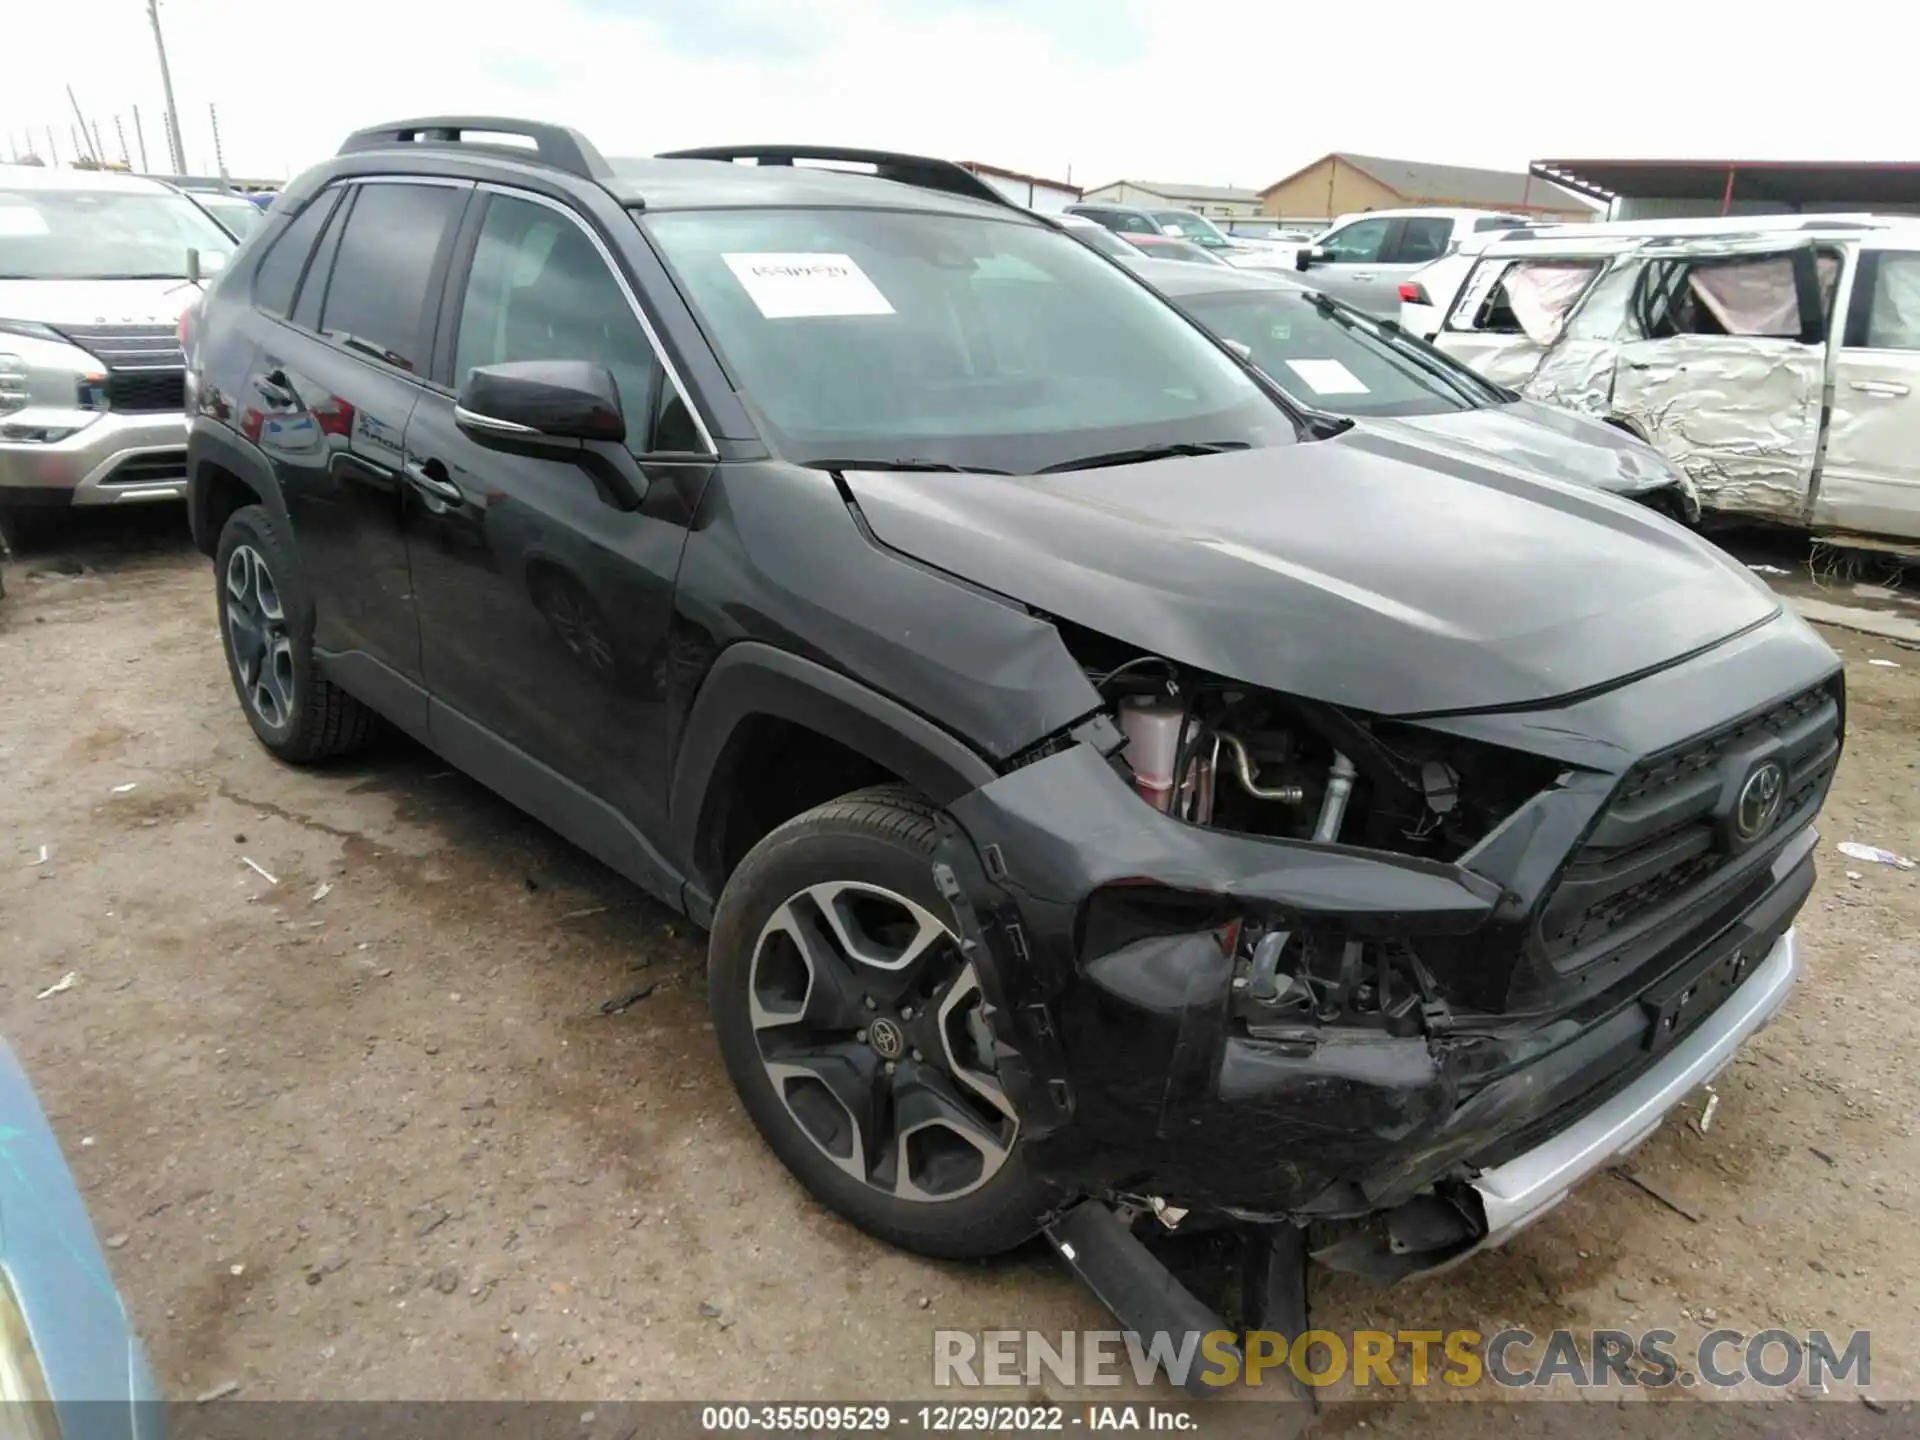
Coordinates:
[18,220]
[1327,377]
[792,286]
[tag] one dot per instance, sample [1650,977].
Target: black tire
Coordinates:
[882,837]
[311,719]
[25,529]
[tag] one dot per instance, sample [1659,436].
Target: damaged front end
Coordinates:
[1255,960]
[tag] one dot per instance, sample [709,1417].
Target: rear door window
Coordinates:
[1422,238]
[1522,297]
[377,301]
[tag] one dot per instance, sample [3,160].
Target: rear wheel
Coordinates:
[856,1032]
[266,621]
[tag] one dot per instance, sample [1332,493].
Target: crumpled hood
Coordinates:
[1364,570]
[96,302]
[1545,440]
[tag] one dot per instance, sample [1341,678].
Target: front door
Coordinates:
[1352,269]
[1870,477]
[544,585]
[1729,378]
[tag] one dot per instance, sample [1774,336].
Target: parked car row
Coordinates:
[1775,360]
[95,271]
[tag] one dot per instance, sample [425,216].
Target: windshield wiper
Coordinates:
[1469,388]
[1143,454]
[903,463]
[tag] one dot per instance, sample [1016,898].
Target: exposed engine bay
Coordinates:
[1227,756]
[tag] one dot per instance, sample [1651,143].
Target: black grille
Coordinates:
[145,369]
[147,390]
[149,469]
[1655,845]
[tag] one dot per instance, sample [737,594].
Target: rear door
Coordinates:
[1728,374]
[1511,310]
[1418,241]
[1869,479]
[331,389]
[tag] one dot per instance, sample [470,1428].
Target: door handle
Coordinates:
[1888,388]
[429,477]
[1361,275]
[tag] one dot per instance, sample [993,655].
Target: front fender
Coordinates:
[752,679]
[211,448]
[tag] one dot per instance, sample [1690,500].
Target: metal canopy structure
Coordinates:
[1800,184]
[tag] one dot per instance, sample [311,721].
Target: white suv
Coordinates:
[1363,258]
[94,275]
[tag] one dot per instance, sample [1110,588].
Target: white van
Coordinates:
[1776,361]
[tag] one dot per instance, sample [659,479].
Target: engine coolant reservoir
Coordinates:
[1152,727]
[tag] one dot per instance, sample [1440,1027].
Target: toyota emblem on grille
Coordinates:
[1761,798]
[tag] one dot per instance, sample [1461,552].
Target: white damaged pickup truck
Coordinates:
[1776,361]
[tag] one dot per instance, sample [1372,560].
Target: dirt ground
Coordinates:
[367,1131]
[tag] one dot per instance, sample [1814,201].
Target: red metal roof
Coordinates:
[1792,182]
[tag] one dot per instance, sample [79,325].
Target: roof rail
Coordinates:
[920,170]
[555,145]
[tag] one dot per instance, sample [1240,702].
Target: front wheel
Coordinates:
[857,1036]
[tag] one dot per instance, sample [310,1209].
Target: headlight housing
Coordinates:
[42,371]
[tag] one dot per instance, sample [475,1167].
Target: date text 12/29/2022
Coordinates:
[945,1419]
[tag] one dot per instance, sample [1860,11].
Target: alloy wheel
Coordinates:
[873,1032]
[258,638]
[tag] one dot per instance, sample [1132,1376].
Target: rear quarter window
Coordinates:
[278,277]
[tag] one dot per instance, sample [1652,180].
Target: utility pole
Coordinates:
[140,136]
[83,143]
[53,151]
[79,148]
[126,155]
[99,145]
[219,160]
[174,144]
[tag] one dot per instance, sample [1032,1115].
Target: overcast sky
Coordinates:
[1238,92]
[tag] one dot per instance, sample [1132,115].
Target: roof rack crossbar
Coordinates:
[555,145]
[918,170]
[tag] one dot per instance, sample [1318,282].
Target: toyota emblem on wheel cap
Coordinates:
[888,1043]
[1761,798]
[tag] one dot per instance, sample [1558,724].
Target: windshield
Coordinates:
[1196,228]
[965,342]
[242,217]
[1338,360]
[104,235]
[1102,239]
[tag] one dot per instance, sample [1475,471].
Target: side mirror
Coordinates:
[193,266]
[1310,255]
[507,406]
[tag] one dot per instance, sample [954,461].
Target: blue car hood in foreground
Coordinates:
[94,1367]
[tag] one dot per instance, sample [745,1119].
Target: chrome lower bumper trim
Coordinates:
[1526,1187]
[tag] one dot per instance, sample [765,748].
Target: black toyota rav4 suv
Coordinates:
[1115,793]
